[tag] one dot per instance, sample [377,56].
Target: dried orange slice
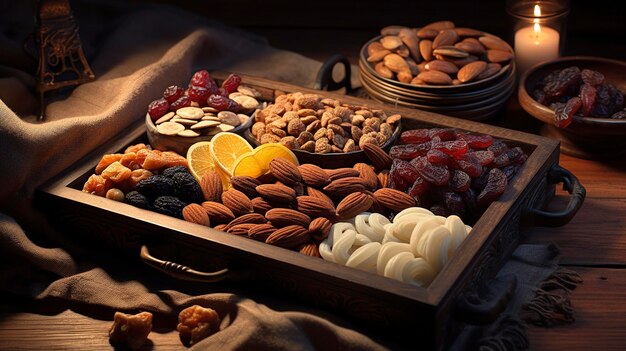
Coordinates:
[225,148]
[257,162]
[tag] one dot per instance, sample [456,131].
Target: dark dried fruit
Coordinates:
[186,188]
[158,108]
[169,172]
[198,94]
[588,97]
[200,79]
[591,77]
[415,136]
[435,174]
[181,102]
[409,151]
[155,186]
[439,210]
[444,134]
[231,83]
[498,147]
[138,200]
[470,164]
[509,157]
[455,148]
[485,157]
[169,205]
[459,181]
[510,171]
[454,202]
[563,116]
[619,114]
[172,93]
[438,157]
[419,187]
[496,184]
[222,103]
[474,141]
[562,83]
[405,170]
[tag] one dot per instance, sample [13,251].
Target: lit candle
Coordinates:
[534,44]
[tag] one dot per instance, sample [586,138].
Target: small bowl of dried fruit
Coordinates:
[581,101]
[183,117]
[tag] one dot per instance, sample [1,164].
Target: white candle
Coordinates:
[534,44]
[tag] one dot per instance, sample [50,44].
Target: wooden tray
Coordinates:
[434,315]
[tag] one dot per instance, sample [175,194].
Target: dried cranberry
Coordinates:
[566,82]
[396,181]
[158,108]
[438,157]
[223,92]
[172,93]
[485,157]
[456,148]
[498,147]
[592,77]
[181,102]
[435,174]
[510,171]
[409,151]
[474,141]
[415,136]
[470,164]
[588,97]
[496,184]
[459,181]
[231,83]
[563,117]
[509,157]
[198,94]
[419,187]
[405,170]
[222,103]
[445,134]
[200,79]
[212,87]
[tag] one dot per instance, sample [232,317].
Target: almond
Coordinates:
[404,76]
[282,217]
[394,199]
[253,218]
[435,78]
[492,68]
[285,171]
[211,185]
[371,48]
[440,25]
[320,228]
[313,175]
[246,185]
[470,47]
[410,39]
[459,62]
[195,213]
[383,178]
[344,186]
[426,49]
[499,56]
[391,42]
[471,71]
[445,37]
[442,66]
[261,232]
[289,237]
[334,174]
[468,32]
[450,51]
[396,63]
[237,201]
[309,249]
[260,206]
[240,229]
[276,193]
[378,156]
[314,207]
[378,55]
[353,204]
[217,212]
[384,72]
[319,194]
[491,42]
[427,33]
[220,227]
[368,175]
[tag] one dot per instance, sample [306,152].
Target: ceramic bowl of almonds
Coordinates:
[323,131]
[183,117]
[458,71]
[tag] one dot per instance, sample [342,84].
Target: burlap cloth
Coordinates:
[135,53]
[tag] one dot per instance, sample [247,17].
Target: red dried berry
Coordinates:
[438,157]
[419,187]
[222,103]
[445,134]
[415,136]
[172,93]
[496,184]
[563,116]
[588,97]
[435,174]
[470,164]
[592,77]
[459,181]
[409,151]
[510,171]
[474,141]
[182,101]
[405,170]
[198,94]
[158,108]
[456,148]
[485,157]
[396,181]
[231,83]
[508,157]
[498,147]
[200,79]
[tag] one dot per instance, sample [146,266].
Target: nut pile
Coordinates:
[437,54]
[321,125]
[294,206]
[195,121]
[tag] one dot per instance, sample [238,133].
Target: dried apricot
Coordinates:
[106,160]
[196,323]
[116,172]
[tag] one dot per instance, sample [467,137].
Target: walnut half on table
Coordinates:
[196,323]
[130,330]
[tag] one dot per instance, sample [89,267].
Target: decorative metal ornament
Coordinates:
[61,59]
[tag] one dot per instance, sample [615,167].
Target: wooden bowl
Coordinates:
[333,160]
[181,144]
[585,137]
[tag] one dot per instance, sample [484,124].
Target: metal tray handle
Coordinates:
[179,271]
[325,80]
[558,174]
[486,306]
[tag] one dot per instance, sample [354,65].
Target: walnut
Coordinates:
[364,113]
[304,137]
[386,129]
[335,120]
[393,119]
[278,132]
[331,102]
[330,134]
[322,146]
[343,112]
[290,142]
[339,141]
[314,126]
[311,101]
[306,112]
[272,118]
[335,149]
[380,114]
[368,129]
[320,133]
[258,128]
[350,146]
[356,132]
[290,115]
[130,331]
[367,139]
[373,122]
[337,129]
[357,120]
[308,146]
[326,116]
[381,138]
[308,119]
[260,115]
[295,127]
[196,323]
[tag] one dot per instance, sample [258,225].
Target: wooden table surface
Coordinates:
[593,244]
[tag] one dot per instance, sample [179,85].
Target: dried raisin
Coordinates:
[496,184]
[409,151]
[158,108]
[588,97]
[459,181]
[415,136]
[231,83]
[563,117]
[169,205]
[435,174]
[172,93]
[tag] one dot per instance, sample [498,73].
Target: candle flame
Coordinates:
[537,27]
[537,11]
